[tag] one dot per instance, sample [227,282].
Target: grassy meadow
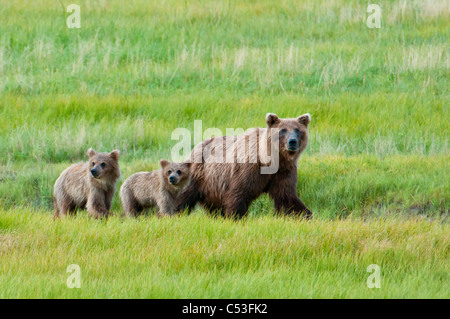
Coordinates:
[376,172]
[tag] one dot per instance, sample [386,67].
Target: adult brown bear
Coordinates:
[229,172]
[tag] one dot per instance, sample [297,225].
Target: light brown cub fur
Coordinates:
[156,188]
[90,185]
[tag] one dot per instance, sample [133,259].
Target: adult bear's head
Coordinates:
[293,133]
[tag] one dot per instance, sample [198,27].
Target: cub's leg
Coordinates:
[56,207]
[129,204]
[166,204]
[109,198]
[96,206]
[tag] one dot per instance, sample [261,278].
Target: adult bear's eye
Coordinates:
[179,172]
[283,131]
[102,165]
[93,164]
[169,172]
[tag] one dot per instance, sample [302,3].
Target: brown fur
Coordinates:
[76,187]
[229,188]
[148,189]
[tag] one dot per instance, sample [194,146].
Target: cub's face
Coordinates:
[176,174]
[293,133]
[103,165]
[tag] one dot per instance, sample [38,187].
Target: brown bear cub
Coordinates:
[90,185]
[229,172]
[156,188]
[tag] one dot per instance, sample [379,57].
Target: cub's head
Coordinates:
[293,133]
[104,166]
[176,174]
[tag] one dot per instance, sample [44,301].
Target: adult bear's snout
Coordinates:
[293,142]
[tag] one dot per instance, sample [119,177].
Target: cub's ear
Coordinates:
[91,152]
[187,164]
[271,119]
[304,119]
[164,163]
[115,154]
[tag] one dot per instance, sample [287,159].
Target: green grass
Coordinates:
[375,173]
[332,186]
[199,257]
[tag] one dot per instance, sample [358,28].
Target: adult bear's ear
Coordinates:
[115,154]
[163,163]
[91,152]
[271,119]
[304,119]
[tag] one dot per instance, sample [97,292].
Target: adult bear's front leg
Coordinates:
[291,204]
[283,191]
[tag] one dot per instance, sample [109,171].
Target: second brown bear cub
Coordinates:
[156,188]
[89,185]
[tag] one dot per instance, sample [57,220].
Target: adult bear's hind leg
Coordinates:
[236,207]
[188,198]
